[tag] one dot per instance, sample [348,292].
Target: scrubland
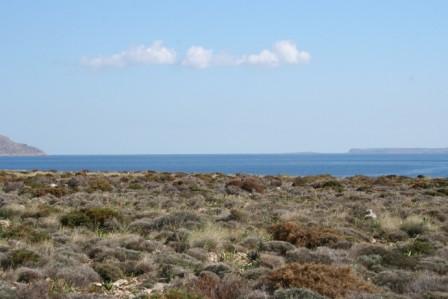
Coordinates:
[188,236]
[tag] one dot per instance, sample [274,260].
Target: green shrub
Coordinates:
[109,272]
[99,184]
[23,232]
[6,213]
[390,258]
[135,186]
[331,184]
[20,257]
[74,219]
[414,228]
[92,217]
[417,247]
[99,216]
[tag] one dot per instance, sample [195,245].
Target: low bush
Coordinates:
[417,247]
[23,232]
[327,280]
[389,257]
[397,281]
[296,293]
[176,220]
[27,275]
[92,217]
[109,272]
[414,226]
[330,184]
[176,294]
[209,285]
[99,184]
[310,237]
[249,184]
[21,257]
[74,219]
[45,190]
[77,276]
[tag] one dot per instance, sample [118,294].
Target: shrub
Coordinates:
[92,217]
[176,294]
[211,286]
[12,186]
[21,257]
[39,212]
[45,190]
[78,276]
[414,226]
[249,184]
[99,216]
[310,237]
[391,258]
[99,184]
[331,184]
[135,186]
[74,219]
[27,275]
[417,247]
[397,281]
[176,220]
[23,232]
[35,290]
[296,293]
[327,280]
[109,272]
[299,182]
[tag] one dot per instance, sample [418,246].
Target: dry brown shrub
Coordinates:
[249,184]
[310,237]
[327,280]
[210,286]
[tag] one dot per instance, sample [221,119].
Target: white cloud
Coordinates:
[156,53]
[282,52]
[287,52]
[265,57]
[198,57]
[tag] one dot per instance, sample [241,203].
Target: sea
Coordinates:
[341,165]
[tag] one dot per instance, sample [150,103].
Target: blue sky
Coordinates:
[130,77]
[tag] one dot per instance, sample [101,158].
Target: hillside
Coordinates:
[11,148]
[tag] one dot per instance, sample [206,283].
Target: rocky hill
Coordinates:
[11,148]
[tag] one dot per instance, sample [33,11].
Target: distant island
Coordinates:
[398,151]
[11,148]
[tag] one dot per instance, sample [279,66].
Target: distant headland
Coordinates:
[11,148]
[398,151]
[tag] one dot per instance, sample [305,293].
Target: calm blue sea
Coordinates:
[291,164]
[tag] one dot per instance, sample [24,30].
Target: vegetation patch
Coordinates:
[23,232]
[21,257]
[327,280]
[92,217]
[310,237]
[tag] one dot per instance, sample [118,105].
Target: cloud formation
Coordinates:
[198,57]
[156,53]
[282,53]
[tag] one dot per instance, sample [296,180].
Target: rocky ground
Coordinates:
[176,235]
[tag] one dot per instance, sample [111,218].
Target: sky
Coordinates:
[184,77]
